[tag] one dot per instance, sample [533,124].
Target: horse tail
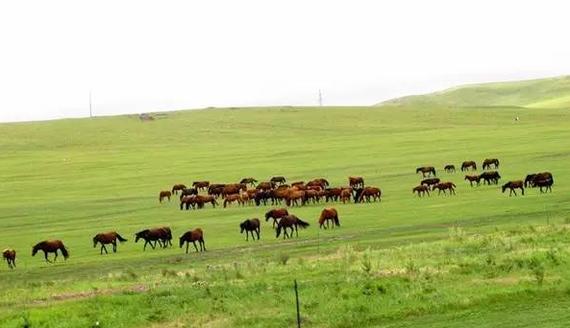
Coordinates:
[302,223]
[64,251]
[120,238]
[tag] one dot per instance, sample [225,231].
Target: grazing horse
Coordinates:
[430,181]
[368,192]
[465,166]
[312,195]
[234,188]
[110,237]
[544,183]
[178,187]
[292,222]
[265,185]
[216,189]
[193,236]
[490,177]
[421,190]
[345,195]
[278,180]
[490,161]
[317,183]
[188,192]
[329,214]
[161,235]
[426,169]
[531,179]
[164,194]
[228,199]
[10,256]
[293,196]
[250,226]
[473,178]
[261,197]
[449,168]
[512,185]
[201,185]
[276,214]
[445,186]
[332,194]
[250,181]
[356,182]
[200,200]
[50,246]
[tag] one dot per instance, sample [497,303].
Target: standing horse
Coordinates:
[193,236]
[345,195]
[201,185]
[162,236]
[426,169]
[368,192]
[188,192]
[421,190]
[10,256]
[276,214]
[490,177]
[512,185]
[356,182]
[164,194]
[544,183]
[490,161]
[292,222]
[50,246]
[228,199]
[293,196]
[329,214]
[449,168]
[250,226]
[465,166]
[430,181]
[178,187]
[473,178]
[250,181]
[278,180]
[445,186]
[104,238]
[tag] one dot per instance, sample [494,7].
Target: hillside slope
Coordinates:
[541,93]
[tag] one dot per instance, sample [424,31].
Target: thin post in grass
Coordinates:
[297,302]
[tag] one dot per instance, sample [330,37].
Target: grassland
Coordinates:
[480,258]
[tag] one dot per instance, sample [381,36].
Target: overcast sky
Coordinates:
[139,56]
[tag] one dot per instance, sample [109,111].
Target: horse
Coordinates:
[261,197]
[234,188]
[250,226]
[421,190]
[298,184]
[529,180]
[465,166]
[490,161]
[292,222]
[245,197]
[188,192]
[164,194]
[544,183]
[368,192]
[161,235]
[10,256]
[329,214]
[345,195]
[110,237]
[228,199]
[356,182]
[201,185]
[324,182]
[512,185]
[250,181]
[216,189]
[430,181]
[200,200]
[265,185]
[449,168]
[276,214]
[490,177]
[293,196]
[51,246]
[196,235]
[317,183]
[473,178]
[445,186]
[332,194]
[278,180]
[426,169]
[178,187]
[312,195]
[532,178]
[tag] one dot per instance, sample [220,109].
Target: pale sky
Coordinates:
[140,56]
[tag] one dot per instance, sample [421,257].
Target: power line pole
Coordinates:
[320,98]
[90,105]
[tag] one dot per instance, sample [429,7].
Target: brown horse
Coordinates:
[293,196]
[430,181]
[473,178]
[490,161]
[370,192]
[298,184]
[465,166]
[178,187]
[201,185]
[449,168]
[200,200]
[234,188]
[265,186]
[426,169]
[216,189]
[162,236]
[104,238]
[312,195]
[228,199]
[193,236]
[292,222]
[276,214]
[10,256]
[164,194]
[248,181]
[530,180]
[512,185]
[543,183]
[329,214]
[490,177]
[345,195]
[50,246]
[443,186]
[278,180]
[421,190]
[356,182]
[250,226]
[332,194]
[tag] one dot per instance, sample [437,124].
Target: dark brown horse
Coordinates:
[228,199]
[201,185]
[248,181]
[276,214]
[465,166]
[369,192]
[216,189]
[473,178]
[449,168]
[10,256]
[234,188]
[51,246]
[105,238]
[512,185]
[164,194]
[443,186]
[298,184]
[332,194]
[278,180]
[250,226]
[356,182]
[265,186]
[345,195]
[188,192]
[198,201]
[530,180]
[421,190]
[193,236]
[490,161]
[430,170]
[292,222]
[162,236]
[543,183]
[430,181]
[329,214]
[293,196]
[178,187]
[490,177]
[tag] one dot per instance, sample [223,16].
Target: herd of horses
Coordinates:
[542,180]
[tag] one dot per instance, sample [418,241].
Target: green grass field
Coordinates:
[480,258]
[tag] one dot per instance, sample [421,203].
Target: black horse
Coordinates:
[250,226]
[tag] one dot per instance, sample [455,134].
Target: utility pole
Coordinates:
[90,105]
[320,98]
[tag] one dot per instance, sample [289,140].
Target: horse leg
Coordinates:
[187,244]
[246,235]
[55,258]
[257,232]
[522,190]
[46,256]
[194,242]
[115,246]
